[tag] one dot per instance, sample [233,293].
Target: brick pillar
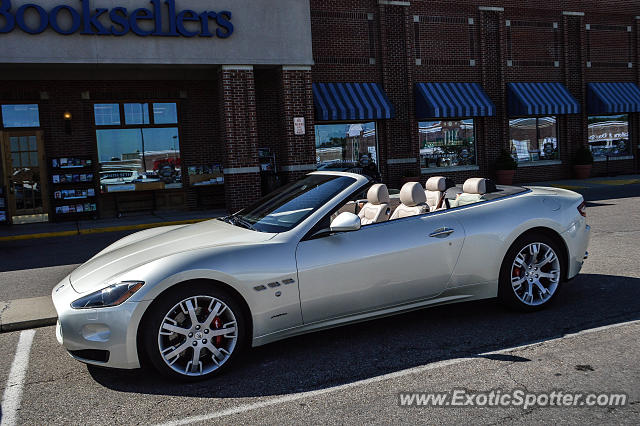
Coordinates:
[298,152]
[493,52]
[574,53]
[238,126]
[400,134]
[635,120]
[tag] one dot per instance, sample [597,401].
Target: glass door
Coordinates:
[24,167]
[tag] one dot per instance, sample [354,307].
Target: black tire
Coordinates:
[155,317]
[506,293]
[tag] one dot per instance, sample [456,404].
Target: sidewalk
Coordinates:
[22,314]
[597,182]
[137,222]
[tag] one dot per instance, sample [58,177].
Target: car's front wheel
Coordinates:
[195,332]
[531,273]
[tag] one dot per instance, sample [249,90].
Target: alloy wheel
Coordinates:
[535,274]
[198,335]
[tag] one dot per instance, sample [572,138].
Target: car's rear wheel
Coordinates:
[531,273]
[194,333]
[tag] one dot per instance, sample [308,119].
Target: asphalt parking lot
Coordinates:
[587,341]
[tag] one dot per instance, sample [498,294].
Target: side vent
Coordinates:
[259,287]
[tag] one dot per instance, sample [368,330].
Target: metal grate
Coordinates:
[532,24]
[603,27]
[609,64]
[338,15]
[443,20]
[456,62]
[533,63]
[341,60]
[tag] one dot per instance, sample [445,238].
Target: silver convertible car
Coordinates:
[329,249]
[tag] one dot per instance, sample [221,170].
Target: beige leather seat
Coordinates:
[435,188]
[413,201]
[472,192]
[377,209]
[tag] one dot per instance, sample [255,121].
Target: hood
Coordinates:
[147,246]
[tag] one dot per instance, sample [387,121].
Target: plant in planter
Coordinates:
[410,175]
[505,166]
[582,162]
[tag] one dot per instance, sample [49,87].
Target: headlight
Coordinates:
[113,295]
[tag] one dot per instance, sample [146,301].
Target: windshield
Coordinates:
[288,206]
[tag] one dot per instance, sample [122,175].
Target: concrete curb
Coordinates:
[22,314]
[100,230]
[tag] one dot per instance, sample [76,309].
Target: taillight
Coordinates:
[582,209]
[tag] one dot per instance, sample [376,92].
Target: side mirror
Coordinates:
[345,222]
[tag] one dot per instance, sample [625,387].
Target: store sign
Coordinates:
[117,21]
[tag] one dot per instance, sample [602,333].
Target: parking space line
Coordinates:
[409,371]
[15,382]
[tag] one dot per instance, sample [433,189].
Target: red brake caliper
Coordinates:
[516,272]
[217,323]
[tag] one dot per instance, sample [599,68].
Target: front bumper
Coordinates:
[84,332]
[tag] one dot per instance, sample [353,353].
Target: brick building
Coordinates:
[152,105]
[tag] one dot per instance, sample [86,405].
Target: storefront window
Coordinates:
[135,158]
[165,113]
[107,114]
[20,116]
[136,114]
[534,138]
[337,144]
[447,143]
[609,135]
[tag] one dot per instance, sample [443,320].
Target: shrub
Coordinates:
[583,156]
[410,173]
[505,161]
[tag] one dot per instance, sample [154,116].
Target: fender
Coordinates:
[490,233]
[272,308]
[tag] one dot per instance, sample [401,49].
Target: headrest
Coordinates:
[378,194]
[475,186]
[412,194]
[436,183]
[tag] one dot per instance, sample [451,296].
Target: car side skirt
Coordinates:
[468,293]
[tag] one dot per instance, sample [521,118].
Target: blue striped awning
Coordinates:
[443,100]
[611,98]
[541,99]
[351,101]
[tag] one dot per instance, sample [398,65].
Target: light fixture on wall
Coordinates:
[67,122]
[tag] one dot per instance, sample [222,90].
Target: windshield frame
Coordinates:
[354,182]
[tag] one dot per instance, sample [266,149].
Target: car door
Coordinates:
[378,266]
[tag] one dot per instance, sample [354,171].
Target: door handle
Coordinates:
[442,232]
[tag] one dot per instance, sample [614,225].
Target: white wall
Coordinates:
[265,32]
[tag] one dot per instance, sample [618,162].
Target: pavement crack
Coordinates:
[509,419]
[4,308]
[512,378]
[50,380]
